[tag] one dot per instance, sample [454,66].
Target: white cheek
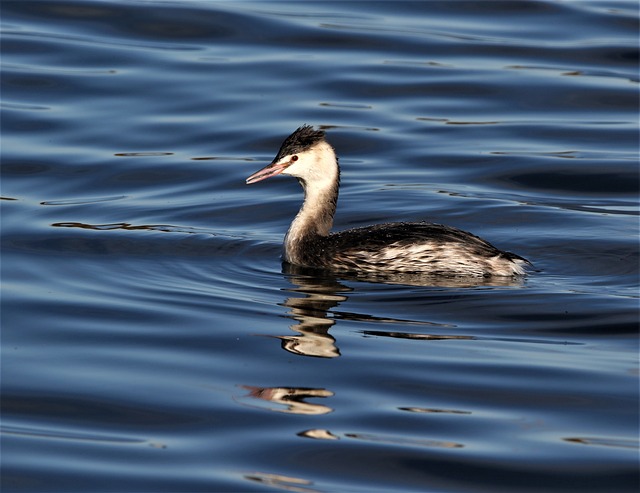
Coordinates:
[296,169]
[306,168]
[316,166]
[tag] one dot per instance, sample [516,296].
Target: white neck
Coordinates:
[320,182]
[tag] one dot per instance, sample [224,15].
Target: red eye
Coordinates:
[294,158]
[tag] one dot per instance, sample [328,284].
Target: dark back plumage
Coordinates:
[418,247]
[302,139]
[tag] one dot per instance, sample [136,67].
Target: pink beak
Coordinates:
[268,171]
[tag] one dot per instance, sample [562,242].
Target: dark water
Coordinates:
[151,339]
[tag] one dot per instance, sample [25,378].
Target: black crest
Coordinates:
[300,140]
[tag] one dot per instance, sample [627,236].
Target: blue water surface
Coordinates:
[152,340]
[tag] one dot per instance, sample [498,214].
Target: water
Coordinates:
[151,338]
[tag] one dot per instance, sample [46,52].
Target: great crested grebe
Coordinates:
[422,247]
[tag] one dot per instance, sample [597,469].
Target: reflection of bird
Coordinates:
[391,247]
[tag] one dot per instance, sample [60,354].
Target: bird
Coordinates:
[400,247]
